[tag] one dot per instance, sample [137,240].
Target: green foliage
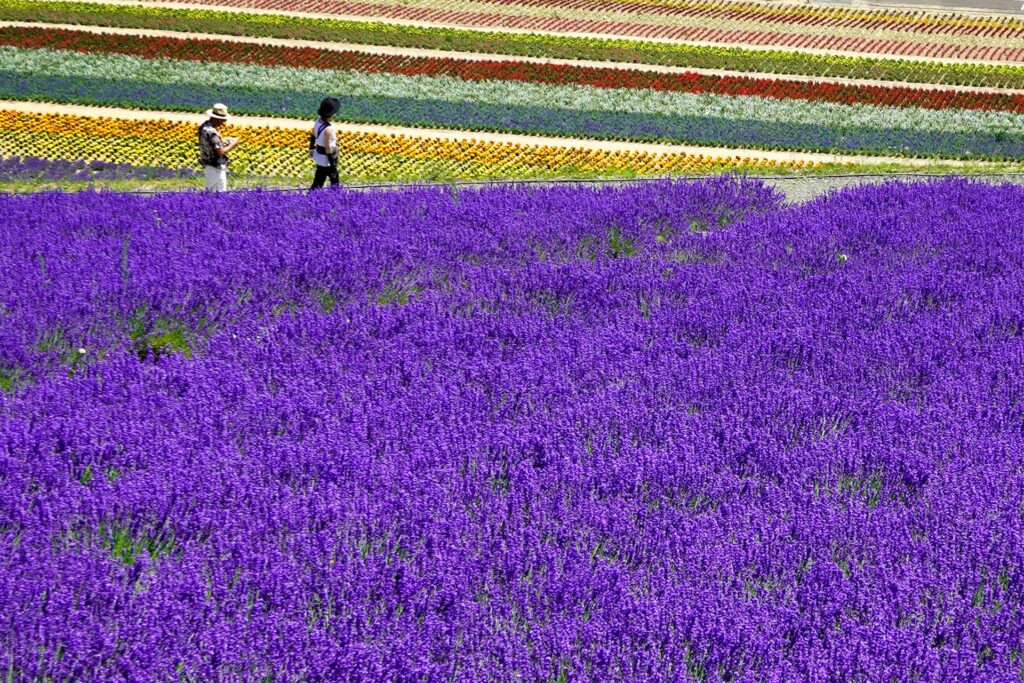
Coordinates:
[868,489]
[615,245]
[620,246]
[695,669]
[51,340]
[124,541]
[397,291]
[648,304]
[699,226]
[666,231]
[553,303]
[160,343]
[684,256]
[55,341]
[727,215]
[157,338]
[12,378]
[325,299]
[125,545]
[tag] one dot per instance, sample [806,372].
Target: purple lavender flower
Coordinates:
[33,168]
[671,431]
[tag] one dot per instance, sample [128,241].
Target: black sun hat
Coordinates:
[329,107]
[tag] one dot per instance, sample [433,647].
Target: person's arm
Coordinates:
[332,142]
[224,147]
[219,145]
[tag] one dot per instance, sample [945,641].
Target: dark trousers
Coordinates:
[323,173]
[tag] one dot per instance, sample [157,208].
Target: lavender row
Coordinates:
[34,168]
[662,432]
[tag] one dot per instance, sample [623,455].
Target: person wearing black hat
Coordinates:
[323,143]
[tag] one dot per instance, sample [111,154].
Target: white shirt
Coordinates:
[328,139]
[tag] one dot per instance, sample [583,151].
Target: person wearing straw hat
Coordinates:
[323,143]
[213,150]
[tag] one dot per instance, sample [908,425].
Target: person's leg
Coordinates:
[216,178]
[210,174]
[319,177]
[332,173]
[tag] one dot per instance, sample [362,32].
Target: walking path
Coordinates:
[437,133]
[542,32]
[478,56]
[970,8]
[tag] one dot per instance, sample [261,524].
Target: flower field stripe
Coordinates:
[280,152]
[657,116]
[644,23]
[587,20]
[278,125]
[949,28]
[710,131]
[698,34]
[560,47]
[482,70]
[413,54]
[944,22]
[29,168]
[270,162]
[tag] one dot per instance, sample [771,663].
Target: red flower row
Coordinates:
[509,70]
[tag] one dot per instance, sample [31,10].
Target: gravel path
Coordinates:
[969,7]
[797,189]
[804,188]
[486,56]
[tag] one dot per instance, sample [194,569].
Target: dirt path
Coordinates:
[569,34]
[478,56]
[444,134]
[798,188]
[805,188]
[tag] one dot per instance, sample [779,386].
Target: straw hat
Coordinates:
[219,111]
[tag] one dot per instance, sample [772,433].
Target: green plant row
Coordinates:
[515,44]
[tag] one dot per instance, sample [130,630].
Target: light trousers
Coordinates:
[216,178]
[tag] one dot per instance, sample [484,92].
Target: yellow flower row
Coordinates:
[280,152]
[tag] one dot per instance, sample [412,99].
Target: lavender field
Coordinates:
[675,431]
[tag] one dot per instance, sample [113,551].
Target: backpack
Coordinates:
[319,128]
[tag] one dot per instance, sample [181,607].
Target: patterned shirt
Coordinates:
[209,141]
